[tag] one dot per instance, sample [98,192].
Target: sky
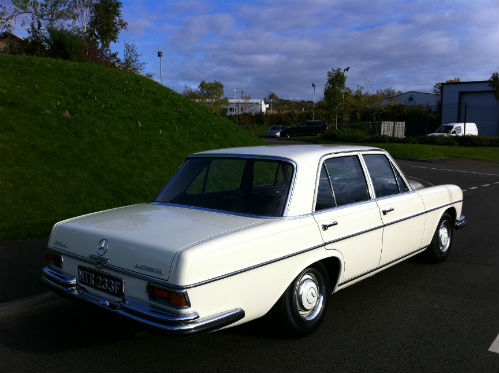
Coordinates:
[283,46]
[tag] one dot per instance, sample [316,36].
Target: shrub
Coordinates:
[65,44]
[358,136]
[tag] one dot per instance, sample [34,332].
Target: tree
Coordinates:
[334,91]
[82,12]
[47,12]
[209,94]
[106,22]
[131,59]
[494,83]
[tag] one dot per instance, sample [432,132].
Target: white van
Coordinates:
[456,129]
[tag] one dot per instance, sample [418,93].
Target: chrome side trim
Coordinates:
[354,234]
[143,313]
[447,204]
[461,222]
[246,269]
[380,267]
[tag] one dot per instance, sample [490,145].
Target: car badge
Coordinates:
[102,247]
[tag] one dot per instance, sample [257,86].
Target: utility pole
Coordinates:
[313,106]
[160,55]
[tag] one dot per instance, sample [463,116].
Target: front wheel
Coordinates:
[303,304]
[442,239]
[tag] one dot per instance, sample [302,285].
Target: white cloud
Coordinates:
[285,45]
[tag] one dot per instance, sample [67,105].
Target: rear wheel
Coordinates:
[303,304]
[442,239]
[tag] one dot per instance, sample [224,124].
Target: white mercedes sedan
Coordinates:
[237,233]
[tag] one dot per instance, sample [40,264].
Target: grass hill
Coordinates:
[79,137]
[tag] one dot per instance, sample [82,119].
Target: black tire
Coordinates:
[302,307]
[441,243]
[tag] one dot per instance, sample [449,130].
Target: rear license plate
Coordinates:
[100,281]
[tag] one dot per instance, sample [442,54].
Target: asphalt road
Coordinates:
[412,317]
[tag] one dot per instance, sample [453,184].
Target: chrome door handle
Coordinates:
[325,227]
[388,210]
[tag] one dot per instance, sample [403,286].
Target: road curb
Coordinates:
[24,307]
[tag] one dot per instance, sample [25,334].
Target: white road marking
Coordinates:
[494,347]
[464,190]
[473,188]
[447,169]
[486,185]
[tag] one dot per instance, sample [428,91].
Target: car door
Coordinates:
[402,210]
[347,216]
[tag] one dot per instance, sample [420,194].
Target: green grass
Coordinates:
[78,137]
[423,151]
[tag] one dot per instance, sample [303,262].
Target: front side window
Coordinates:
[347,179]
[382,176]
[242,185]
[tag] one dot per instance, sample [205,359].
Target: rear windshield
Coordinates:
[250,186]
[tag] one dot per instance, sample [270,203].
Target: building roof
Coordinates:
[423,93]
[7,34]
[245,100]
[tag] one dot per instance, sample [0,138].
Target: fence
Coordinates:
[385,128]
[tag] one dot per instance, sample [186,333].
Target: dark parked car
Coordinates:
[308,128]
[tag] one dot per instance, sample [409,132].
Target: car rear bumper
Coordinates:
[139,311]
[461,222]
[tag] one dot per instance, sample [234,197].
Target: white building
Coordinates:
[246,105]
[414,98]
[471,102]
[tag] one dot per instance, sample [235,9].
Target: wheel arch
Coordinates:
[452,212]
[333,266]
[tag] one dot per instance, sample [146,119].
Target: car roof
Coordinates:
[297,153]
[306,159]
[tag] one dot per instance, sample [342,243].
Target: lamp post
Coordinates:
[313,106]
[160,54]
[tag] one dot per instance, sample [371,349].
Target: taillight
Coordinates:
[171,297]
[327,127]
[54,258]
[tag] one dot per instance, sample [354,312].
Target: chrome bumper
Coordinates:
[141,312]
[461,222]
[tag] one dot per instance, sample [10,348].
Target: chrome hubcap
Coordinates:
[308,296]
[444,237]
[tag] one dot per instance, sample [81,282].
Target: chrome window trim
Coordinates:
[180,288]
[391,167]
[245,156]
[322,161]
[343,206]
[394,195]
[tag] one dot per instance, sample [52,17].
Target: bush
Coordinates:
[65,44]
[357,135]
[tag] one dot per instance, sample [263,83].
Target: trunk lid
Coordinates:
[144,238]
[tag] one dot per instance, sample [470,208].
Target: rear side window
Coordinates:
[381,175]
[325,198]
[347,179]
